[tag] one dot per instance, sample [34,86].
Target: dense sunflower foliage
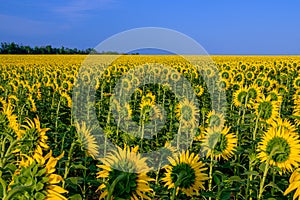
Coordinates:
[247,148]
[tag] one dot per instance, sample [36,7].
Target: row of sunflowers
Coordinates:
[149,127]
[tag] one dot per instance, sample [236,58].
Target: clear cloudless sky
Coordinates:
[220,26]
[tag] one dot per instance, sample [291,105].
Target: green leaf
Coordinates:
[235,179]
[41,172]
[74,180]
[216,180]
[39,196]
[78,166]
[273,185]
[39,186]
[225,195]
[254,173]
[75,197]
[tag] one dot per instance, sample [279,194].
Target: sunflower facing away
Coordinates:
[283,146]
[125,174]
[8,110]
[87,140]
[266,109]
[185,173]
[35,137]
[215,119]
[219,143]
[239,97]
[188,113]
[38,174]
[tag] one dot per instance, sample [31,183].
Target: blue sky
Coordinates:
[220,26]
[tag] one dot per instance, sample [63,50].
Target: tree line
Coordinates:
[13,48]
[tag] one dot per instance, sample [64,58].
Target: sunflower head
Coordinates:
[225,75]
[39,178]
[266,109]
[275,96]
[284,124]
[35,137]
[240,96]
[87,140]
[185,173]
[280,147]
[199,90]
[187,112]
[215,119]
[254,93]
[296,83]
[219,143]
[126,84]
[223,84]
[125,174]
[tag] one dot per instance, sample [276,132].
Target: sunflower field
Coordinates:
[149,127]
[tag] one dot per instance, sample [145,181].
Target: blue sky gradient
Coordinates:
[221,27]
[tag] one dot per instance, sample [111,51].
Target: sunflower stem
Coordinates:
[67,167]
[256,126]
[57,115]
[210,173]
[244,109]
[3,183]
[178,136]
[267,166]
[262,182]
[250,176]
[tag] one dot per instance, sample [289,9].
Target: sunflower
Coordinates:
[268,84]
[39,172]
[296,95]
[32,104]
[125,172]
[7,110]
[249,75]
[239,78]
[282,146]
[226,75]
[282,89]
[126,111]
[223,84]
[294,184]
[240,96]
[275,96]
[185,173]
[258,82]
[219,143]
[199,90]
[209,72]
[87,140]
[284,124]
[126,84]
[296,83]
[254,93]
[68,98]
[215,119]
[266,109]
[148,100]
[156,112]
[188,113]
[296,110]
[35,136]
[175,76]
